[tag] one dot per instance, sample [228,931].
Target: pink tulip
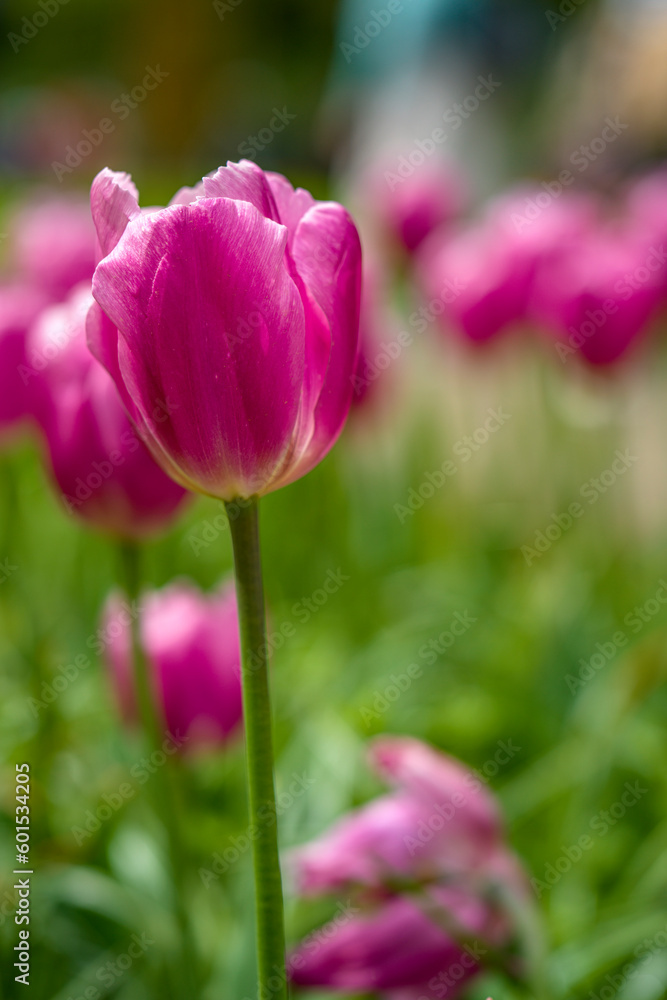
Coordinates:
[380,840]
[19,307]
[394,947]
[480,280]
[413,204]
[104,471]
[53,243]
[426,867]
[601,296]
[191,641]
[237,309]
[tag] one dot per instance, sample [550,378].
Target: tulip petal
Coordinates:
[19,307]
[186,195]
[273,196]
[292,206]
[390,949]
[53,243]
[372,845]
[192,645]
[327,254]
[415,767]
[114,201]
[317,351]
[243,181]
[105,474]
[193,642]
[202,297]
[292,203]
[102,339]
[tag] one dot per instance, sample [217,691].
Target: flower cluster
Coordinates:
[224,333]
[240,304]
[191,642]
[213,346]
[431,878]
[592,283]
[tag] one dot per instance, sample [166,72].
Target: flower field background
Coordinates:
[537,669]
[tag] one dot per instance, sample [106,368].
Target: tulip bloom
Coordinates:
[428,867]
[19,307]
[237,309]
[234,312]
[191,641]
[53,244]
[104,471]
[480,280]
[601,296]
[412,205]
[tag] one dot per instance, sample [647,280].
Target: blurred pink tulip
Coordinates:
[413,202]
[479,281]
[191,641]
[237,308]
[396,946]
[106,474]
[53,243]
[19,307]
[427,868]
[378,841]
[600,296]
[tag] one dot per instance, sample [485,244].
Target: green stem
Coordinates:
[164,792]
[244,526]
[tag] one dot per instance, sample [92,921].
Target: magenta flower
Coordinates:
[236,308]
[191,641]
[53,243]
[104,471]
[414,202]
[598,298]
[397,946]
[19,307]
[479,281]
[427,869]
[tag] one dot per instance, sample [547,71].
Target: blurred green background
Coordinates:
[515,675]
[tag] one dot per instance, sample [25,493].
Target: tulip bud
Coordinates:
[412,202]
[479,280]
[599,298]
[191,641]
[425,870]
[102,468]
[237,309]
